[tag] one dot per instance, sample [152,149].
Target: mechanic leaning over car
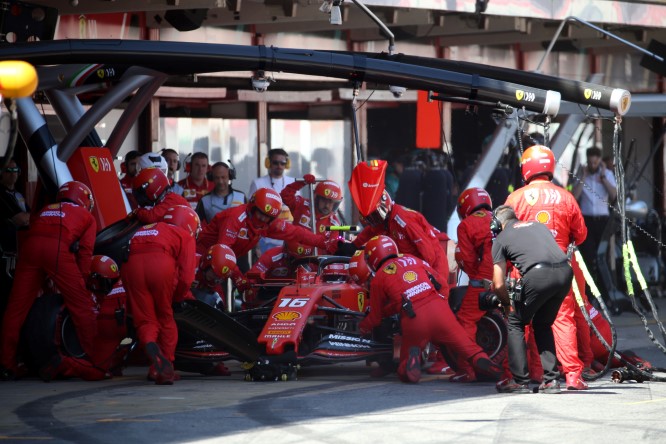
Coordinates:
[154,195]
[546,279]
[274,263]
[241,227]
[407,285]
[160,255]
[542,201]
[59,247]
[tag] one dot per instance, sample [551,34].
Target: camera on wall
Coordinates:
[397,91]
[260,82]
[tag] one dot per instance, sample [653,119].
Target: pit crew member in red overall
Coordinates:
[473,255]
[107,357]
[215,267]
[275,263]
[160,271]
[59,246]
[327,198]
[241,227]
[407,285]
[542,201]
[153,194]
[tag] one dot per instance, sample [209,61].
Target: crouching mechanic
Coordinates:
[107,354]
[407,285]
[546,280]
[215,267]
[158,272]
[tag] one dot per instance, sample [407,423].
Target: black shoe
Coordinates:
[486,367]
[511,386]
[552,387]
[165,375]
[50,370]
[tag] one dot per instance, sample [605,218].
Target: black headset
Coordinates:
[495,226]
[229,166]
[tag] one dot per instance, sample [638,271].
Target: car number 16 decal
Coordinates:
[293,302]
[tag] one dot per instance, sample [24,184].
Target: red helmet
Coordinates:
[104,274]
[328,190]
[184,217]
[76,192]
[221,259]
[384,207]
[296,249]
[150,186]
[358,268]
[378,249]
[267,202]
[537,160]
[473,199]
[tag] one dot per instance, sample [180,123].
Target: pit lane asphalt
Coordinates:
[335,404]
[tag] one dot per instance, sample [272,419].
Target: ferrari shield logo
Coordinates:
[520,94]
[361,300]
[94,163]
[100,73]
[531,197]
[587,93]
[390,269]
[327,192]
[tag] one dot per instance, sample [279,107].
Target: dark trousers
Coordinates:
[596,226]
[544,290]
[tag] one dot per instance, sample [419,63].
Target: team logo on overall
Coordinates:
[531,197]
[322,228]
[361,300]
[390,269]
[242,233]
[543,217]
[94,163]
[409,276]
[286,316]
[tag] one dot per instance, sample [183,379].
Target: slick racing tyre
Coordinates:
[47,330]
[113,241]
[491,335]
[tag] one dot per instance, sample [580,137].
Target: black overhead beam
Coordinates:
[613,99]
[178,58]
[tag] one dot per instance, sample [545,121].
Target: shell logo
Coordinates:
[409,276]
[543,217]
[286,316]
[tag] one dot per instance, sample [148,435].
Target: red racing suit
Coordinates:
[473,255]
[232,227]
[555,207]
[193,192]
[51,251]
[301,210]
[159,271]
[434,321]
[413,235]
[151,215]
